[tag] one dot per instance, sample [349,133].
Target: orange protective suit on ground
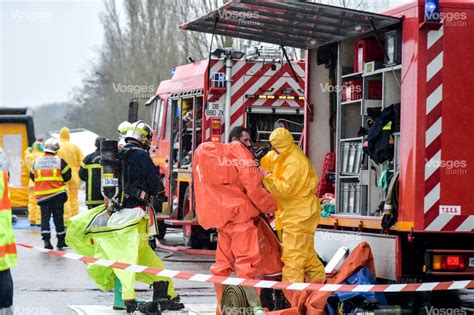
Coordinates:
[34,211]
[229,195]
[73,156]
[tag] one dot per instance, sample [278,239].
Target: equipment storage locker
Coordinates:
[428,70]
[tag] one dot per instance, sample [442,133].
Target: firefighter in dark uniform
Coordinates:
[141,178]
[50,173]
[90,173]
[141,183]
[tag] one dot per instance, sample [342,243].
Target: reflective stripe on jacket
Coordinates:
[90,172]
[48,176]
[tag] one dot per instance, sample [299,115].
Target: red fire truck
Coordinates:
[416,58]
[259,90]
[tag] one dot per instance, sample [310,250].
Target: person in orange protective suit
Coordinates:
[73,156]
[34,211]
[229,194]
[292,181]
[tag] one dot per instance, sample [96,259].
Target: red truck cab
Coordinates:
[190,109]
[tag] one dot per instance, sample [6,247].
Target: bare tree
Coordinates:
[142,43]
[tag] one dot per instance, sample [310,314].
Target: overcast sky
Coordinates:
[45,45]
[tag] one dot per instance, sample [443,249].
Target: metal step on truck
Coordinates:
[408,73]
[259,89]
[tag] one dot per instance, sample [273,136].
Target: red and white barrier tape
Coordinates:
[199,277]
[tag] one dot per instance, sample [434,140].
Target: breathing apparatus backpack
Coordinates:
[110,172]
[116,185]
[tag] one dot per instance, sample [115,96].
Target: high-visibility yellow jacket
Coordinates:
[8,257]
[49,174]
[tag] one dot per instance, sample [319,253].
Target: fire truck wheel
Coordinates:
[187,235]
[185,207]
[195,237]
[235,301]
[161,230]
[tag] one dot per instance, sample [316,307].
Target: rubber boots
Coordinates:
[47,244]
[160,295]
[149,308]
[131,306]
[61,241]
[118,301]
[160,290]
[46,238]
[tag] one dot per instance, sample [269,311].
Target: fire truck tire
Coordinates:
[195,237]
[187,236]
[235,299]
[158,207]
[161,230]
[185,206]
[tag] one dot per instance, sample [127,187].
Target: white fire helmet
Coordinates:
[123,128]
[51,145]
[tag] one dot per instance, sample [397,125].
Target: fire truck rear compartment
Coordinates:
[343,98]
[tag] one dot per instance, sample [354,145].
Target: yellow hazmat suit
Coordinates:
[267,163]
[34,211]
[292,181]
[121,237]
[73,156]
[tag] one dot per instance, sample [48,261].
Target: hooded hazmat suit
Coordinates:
[73,156]
[121,237]
[229,194]
[292,181]
[34,211]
